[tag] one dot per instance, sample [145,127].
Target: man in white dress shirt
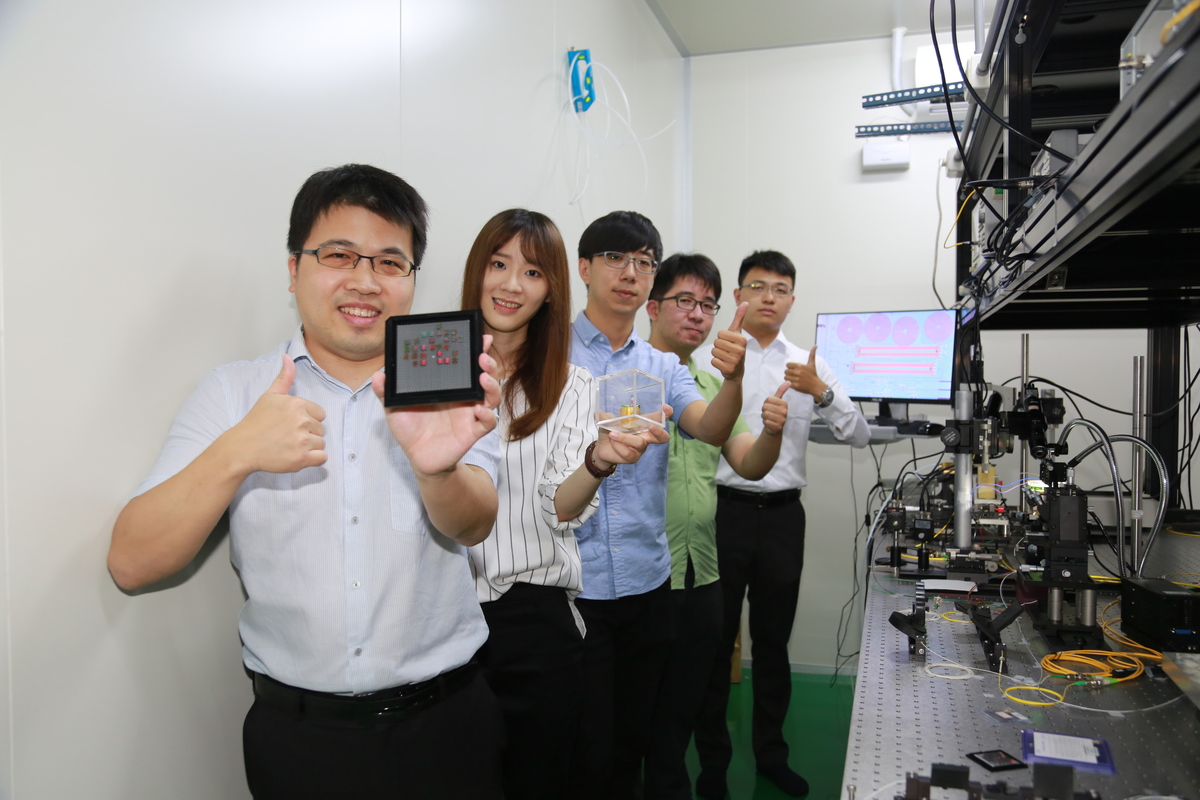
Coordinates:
[760,525]
[348,523]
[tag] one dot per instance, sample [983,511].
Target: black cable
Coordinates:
[1190,427]
[1071,394]
[844,620]
[1111,544]
[1192,446]
[1103,566]
[978,99]
[950,117]
[941,471]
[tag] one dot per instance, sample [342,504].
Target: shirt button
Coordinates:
[355,584]
[358,651]
[614,513]
[354,520]
[353,398]
[616,549]
[353,456]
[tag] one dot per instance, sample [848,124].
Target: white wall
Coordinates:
[776,165]
[149,152]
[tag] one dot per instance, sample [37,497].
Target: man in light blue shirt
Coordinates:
[626,600]
[348,523]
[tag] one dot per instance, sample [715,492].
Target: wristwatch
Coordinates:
[826,398]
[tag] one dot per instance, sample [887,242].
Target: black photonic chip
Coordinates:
[433,358]
[996,760]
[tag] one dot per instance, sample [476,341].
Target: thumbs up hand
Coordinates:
[281,433]
[774,411]
[729,350]
[804,378]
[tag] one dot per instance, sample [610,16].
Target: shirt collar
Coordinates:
[298,350]
[590,334]
[780,344]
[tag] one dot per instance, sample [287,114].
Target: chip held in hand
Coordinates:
[629,401]
[433,358]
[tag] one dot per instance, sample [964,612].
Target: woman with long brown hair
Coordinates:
[528,571]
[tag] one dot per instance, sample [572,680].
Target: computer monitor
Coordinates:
[892,357]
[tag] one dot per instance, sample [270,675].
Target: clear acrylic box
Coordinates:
[629,401]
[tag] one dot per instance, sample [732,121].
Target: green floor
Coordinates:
[817,729]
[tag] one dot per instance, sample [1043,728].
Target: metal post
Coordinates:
[1135,485]
[1085,607]
[963,479]
[989,47]
[979,31]
[1020,393]
[1054,603]
[1162,396]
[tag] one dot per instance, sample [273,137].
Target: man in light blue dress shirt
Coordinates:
[626,601]
[349,523]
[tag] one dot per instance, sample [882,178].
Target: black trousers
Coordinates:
[760,552]
[533,661]
[624,652]
[698,614]
[448,750]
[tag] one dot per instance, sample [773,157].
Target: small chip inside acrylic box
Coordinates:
[629,401]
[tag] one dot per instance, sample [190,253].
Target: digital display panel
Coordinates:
[905,356]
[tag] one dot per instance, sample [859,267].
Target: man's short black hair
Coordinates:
[685,265]
[621,232]
[362,185]
[771,261]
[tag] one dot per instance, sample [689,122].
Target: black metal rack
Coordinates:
[1116,242]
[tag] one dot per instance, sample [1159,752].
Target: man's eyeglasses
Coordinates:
[392,265]
[646,266]
[777,289]
[688,303]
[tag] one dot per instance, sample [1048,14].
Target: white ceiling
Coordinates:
[701,27]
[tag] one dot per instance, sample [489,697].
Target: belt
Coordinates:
[394,703]
[760,499]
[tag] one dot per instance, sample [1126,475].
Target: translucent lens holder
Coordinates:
[629,401]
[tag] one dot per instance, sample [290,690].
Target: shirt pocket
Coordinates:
[407,510]
[799,405]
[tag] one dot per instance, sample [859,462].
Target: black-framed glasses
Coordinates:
[777,289]
[393,265]
[688,303]
[646,266]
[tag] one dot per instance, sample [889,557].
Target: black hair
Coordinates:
[621,232]
[771,261]
[362,185]
[685,265]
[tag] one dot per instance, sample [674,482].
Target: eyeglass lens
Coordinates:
[339,258]
[689,304]
[620,260]
[778,289]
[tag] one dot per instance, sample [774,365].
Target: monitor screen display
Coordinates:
[905,356]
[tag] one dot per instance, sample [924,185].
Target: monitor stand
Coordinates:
[891,415]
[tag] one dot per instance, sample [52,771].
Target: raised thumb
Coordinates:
[283,382]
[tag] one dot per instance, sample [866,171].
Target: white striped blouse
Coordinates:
[528,543]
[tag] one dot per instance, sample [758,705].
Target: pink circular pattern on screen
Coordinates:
[849,329]
[939,326]
[878,327]
[905,331]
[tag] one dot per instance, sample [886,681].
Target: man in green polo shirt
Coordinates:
[682,305]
